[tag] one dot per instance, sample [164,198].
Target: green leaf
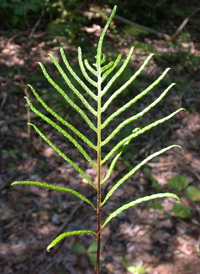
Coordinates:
[155,184]
[67,234]
[181,210]
[93,260]
[93,247]
[178,183]
[136,269]
[139,201]
[91,251]
[52,187]
[78,248]
[155,206]
[11,165]
[146,170]
[193,193]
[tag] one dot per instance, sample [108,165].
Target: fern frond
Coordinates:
[100,43]
[57,150]
[62,131]
[134,30]
[64,122]
[139,201]
[136,168]
[113,163]
[139,132]
[103,58]
[57,188]
[72,87]
[119,72]
[117,92]
[67,234]
[109,70]
[83,70]
[83,85]
[133,118]
[95,75]
[93,71]
[106,67]
[68,100]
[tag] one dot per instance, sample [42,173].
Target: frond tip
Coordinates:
[67,234]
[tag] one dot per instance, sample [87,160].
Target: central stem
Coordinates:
[99,170]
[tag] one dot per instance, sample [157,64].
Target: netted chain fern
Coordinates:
[98,71]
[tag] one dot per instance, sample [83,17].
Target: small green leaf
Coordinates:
[181,211]
[178,183]
[67,234]
[78,248]
[155,206]
[146,170]
[155,184]
[91,251]
[93,260]
[136,269]
[93,247]
[193,193]
[11,165]
[92,254]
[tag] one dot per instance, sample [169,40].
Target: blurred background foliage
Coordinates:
[20,14]
[67,22]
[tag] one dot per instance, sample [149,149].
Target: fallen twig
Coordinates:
[183,24]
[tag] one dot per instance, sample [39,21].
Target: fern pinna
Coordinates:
[98,71]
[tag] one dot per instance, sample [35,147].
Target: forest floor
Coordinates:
[30,218]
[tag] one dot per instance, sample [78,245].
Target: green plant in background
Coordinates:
[16,11]
[178,184]
[138,269]
[90,251]
[99,71]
